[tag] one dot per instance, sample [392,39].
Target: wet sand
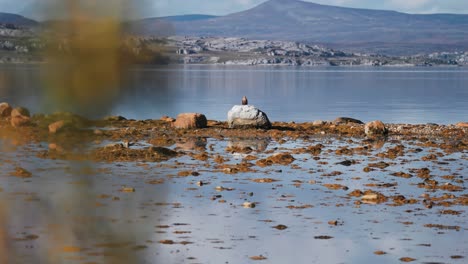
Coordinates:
[109,191]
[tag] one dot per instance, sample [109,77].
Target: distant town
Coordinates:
[19,44]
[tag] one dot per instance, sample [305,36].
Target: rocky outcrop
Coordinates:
[5,110]
[462,124]
[375,128]
[190,121]
[247,116]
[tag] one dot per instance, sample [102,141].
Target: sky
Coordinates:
[152,8]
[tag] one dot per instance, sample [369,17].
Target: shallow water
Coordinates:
[393,95]
[71,204]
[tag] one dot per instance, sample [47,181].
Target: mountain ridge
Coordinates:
[10,18]
[349,29]
[294,20]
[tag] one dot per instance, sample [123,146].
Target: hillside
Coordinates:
[7,18]
[358,29]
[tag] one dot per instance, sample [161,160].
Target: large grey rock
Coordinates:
[247,116]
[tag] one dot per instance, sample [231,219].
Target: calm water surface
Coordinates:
[75,211]
[394,95]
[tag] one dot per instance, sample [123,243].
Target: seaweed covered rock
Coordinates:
[190,121]
[375,128]
[247,116]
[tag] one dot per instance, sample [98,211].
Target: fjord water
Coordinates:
[391,94]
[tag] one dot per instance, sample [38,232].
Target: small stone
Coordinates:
[346,163]
[248,205]
[167,242]
[190,121]
[280,227]
[128,189]
[372,196]
[56,127]
[260,257]
[462,124]
[407,259]
[55,147]
[380,252]
[375,128]
[323,237]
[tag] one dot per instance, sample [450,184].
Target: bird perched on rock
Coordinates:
[244,101]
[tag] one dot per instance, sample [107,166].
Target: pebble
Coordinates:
[248,205]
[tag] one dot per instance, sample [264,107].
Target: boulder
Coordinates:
[462,124]
[247,116]
[5,110]
[20,111]
[190,121]
[347,120]
[375,128]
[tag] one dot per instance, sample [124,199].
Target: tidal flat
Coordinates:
[141,191]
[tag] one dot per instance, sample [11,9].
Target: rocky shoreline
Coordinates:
[328,179]
[65,128]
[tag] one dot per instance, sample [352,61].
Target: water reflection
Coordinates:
[242,147]
[190,144]
[377,142]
